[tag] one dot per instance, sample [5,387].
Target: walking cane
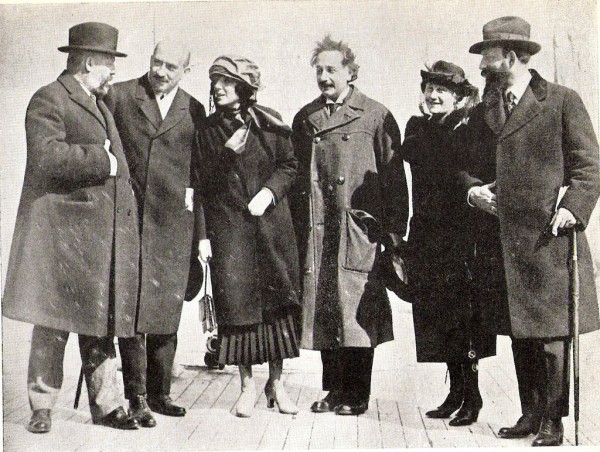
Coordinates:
[78,391]
[575,295]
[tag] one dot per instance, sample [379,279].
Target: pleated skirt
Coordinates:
[259,343]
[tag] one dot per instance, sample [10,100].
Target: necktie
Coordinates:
[510,103]
[333,107]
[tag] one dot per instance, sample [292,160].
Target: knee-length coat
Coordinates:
[547,142]
[162,161]
[254,266]
[346,199]
[74,257]
[447,318]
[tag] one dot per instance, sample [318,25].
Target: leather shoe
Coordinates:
[119,419]
[452,403]
[551,433]
[352,409]
[327,404]
[525,426]
[139,409]
[164,405]
[40,421]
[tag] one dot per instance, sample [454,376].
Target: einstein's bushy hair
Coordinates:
[348,57]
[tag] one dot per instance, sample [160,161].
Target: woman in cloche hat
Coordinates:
[446,321]
[248,165]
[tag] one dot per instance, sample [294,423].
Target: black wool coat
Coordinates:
[548,142]
[255,259]
[447,318]
[162,158]
[75,246]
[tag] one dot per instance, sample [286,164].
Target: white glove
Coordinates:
[204,251]
[260,202]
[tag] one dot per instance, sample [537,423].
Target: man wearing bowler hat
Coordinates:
[531,172]
[74,259]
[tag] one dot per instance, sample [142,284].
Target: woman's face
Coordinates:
[439,99]
[224,92]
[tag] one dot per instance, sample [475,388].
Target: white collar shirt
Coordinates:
[165,100]
[519,87]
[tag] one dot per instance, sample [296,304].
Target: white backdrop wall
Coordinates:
[392,41]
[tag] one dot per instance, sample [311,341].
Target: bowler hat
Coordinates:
[237,68]
[449,75]
[93,37]
[508,31]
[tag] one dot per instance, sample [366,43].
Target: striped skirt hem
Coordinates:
[260,343]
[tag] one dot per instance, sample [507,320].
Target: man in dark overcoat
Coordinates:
[347,201]
[156,120]
[532,141]
[74,259]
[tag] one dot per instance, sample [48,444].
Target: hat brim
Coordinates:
[223,72]
[463,88]
[67,49]
[530,46]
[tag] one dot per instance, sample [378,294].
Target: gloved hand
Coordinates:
[260,202]
[204,250]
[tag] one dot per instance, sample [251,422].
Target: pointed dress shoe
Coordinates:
[452,403]
[40,421]
[327,404]
[164,405]
[550,434]
[119,419]
[139,410]
[352,408]
[468,413]
[525,426]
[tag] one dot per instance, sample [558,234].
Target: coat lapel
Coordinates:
[79,96]
[147,102]
[352,109]
[177,112]
[528,107]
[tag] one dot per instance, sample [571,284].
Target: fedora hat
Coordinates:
[93,37]
[509,31]
[238,68]
[449,75]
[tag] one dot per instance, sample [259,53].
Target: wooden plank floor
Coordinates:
[402,392]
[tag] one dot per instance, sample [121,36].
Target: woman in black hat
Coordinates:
[247,164]
[445,318]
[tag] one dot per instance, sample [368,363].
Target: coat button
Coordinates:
[317,139]
[345,137]
[340,180]
[330,188]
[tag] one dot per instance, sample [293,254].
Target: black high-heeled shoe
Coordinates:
[469,411]
[455,398]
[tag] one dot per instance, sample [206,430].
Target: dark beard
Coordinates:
[495,80]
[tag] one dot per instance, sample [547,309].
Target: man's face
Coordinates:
[494,62]
[332,76]
[101,69]
[167,68]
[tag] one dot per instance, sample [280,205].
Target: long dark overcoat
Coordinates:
[345,200]
[160,155]
[447,318]
[255,261]
[547,142]
[73,220]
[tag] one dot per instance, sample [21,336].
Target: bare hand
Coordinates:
[204,250]
[563,218]
[260,202]
[484,198]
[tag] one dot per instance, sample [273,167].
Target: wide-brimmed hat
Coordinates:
[237,68]
[508,31]
[93,37]
[449,75]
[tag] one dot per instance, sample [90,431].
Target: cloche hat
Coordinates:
[237,68]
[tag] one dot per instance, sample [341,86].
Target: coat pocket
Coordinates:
[362,231]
